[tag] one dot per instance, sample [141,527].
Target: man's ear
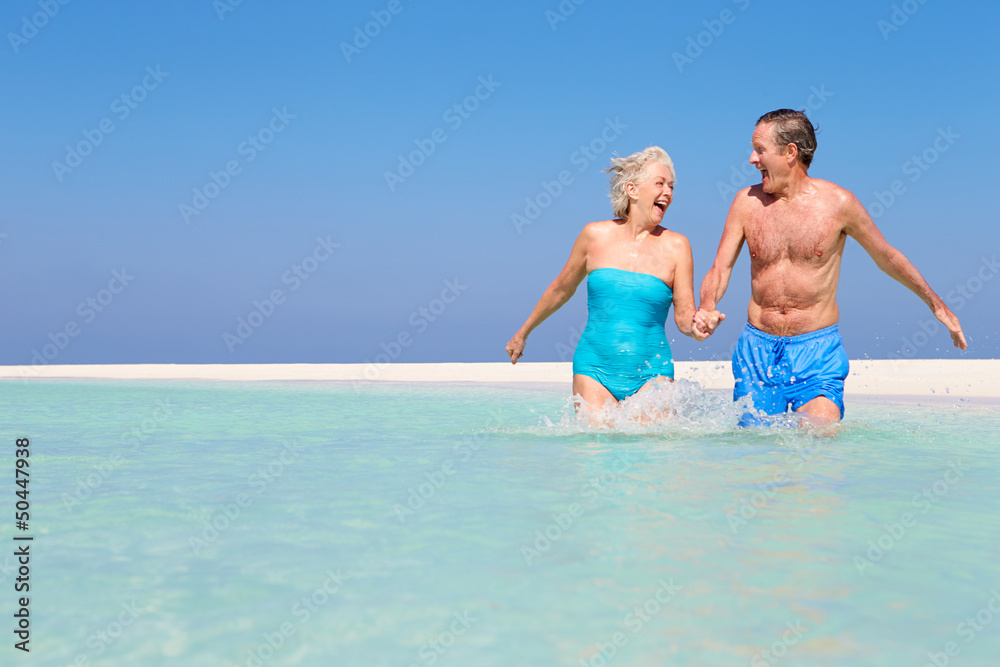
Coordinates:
[791,153]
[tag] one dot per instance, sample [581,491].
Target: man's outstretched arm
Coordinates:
[862,229]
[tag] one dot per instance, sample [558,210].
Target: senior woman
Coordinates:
[635,270]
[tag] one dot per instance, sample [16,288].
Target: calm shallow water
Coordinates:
[327,524]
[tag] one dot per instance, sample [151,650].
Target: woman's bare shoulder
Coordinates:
[674,239]
[603,225]
[599,229]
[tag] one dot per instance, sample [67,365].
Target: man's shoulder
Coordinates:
[750,196]
[835,193]
[749,203]
[842,205]
[750,192]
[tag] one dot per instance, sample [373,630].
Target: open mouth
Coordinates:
[763,174]
[662,205]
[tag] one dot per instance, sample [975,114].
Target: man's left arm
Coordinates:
[860,227]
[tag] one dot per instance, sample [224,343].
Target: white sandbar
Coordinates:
[873,377]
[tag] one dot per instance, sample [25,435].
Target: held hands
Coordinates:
[705,323]
[515,347]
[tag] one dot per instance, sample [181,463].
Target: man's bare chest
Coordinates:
[800,236]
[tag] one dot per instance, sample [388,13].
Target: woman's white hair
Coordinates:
[633,169]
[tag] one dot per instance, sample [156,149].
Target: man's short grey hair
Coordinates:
[792,127]
[634,169]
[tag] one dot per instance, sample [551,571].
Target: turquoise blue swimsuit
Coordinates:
[624,345]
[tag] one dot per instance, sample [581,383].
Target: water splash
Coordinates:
[667,408]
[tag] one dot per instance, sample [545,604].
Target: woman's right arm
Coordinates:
[558,293]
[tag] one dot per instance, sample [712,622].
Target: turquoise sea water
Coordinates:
[328,524]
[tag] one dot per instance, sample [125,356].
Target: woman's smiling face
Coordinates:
[655,191]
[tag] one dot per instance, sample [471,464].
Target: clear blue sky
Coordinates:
[201,149]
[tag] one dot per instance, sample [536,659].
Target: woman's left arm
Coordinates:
[683,288]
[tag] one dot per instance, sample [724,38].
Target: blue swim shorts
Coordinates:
[779,372]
